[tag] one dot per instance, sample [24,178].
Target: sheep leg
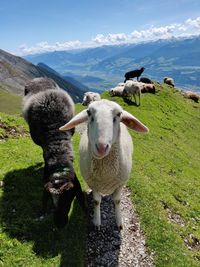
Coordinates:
[43,211]
[81,196]
[135,99]
[45,198]
[139,97]
[117,200]
[97,212]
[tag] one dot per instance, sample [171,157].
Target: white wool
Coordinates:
[107,174]
[133,88]
[118,90]
[106,151]
[90,97]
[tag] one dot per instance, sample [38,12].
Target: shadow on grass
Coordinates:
[20,204]
[129,102]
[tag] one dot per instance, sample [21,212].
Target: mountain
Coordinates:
[62,61]
[15,72]
[175,57]
[70,79]
[120,62]
[69,85]
[94,83]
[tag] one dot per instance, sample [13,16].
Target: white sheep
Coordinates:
[90,97]
[118,90]
[133,88]
[169,81]
[106,151]
[191,95]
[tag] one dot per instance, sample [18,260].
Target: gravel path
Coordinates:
[113,248]
[110,247]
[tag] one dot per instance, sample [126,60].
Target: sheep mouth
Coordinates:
[97,155]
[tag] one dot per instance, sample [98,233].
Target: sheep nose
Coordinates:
[102,148]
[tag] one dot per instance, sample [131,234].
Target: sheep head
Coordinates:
[103,118]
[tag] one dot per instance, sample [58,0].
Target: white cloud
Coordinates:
[187,28]
[153,33]
[46,47]
[193,22]
[99,39]
[110,38]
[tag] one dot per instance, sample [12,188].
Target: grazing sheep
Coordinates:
[145,80]
[191,95]
[169,81]
[133,88]
[118,90]
[46,107]
[133,74]
[148,88]
[106,151]
[90,97]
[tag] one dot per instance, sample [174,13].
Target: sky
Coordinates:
[29,27]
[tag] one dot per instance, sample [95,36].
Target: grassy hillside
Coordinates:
[165,181]
[164,184]
[9,103]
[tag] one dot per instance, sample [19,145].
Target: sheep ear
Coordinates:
[133,123]
[79,118]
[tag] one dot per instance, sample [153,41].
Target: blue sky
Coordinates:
[46,25]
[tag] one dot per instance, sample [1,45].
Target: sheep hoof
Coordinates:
[97,228]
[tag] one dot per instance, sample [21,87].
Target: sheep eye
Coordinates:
[118,115]
[89,112]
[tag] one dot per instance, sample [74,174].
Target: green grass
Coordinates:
[12,126]
[10,103]
[23,240]
[164,184]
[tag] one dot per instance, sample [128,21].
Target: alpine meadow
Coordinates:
[164,186]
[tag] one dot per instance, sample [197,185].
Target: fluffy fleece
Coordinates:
[46,107]
[90,97]
[106,151]
[117,90]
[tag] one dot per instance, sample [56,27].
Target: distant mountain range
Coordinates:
[103,67]
[15,72]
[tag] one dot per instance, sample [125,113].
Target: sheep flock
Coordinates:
[105,147]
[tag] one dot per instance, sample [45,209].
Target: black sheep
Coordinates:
[133,74]
[46,107]
[145,80]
